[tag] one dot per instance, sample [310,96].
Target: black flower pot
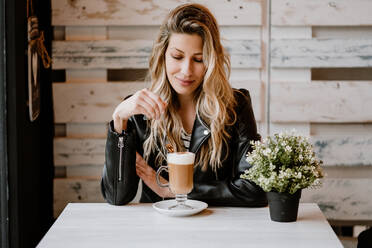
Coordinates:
[283,206]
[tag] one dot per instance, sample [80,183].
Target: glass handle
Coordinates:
[161,168]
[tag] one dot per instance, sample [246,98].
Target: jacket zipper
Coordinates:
[120,145]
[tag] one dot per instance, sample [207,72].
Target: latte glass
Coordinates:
[181,170]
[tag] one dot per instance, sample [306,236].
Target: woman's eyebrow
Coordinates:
[199,53]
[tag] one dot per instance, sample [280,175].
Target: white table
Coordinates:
[139,225]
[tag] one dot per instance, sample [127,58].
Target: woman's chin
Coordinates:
[184,91]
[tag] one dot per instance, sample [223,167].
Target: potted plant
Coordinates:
[283,165]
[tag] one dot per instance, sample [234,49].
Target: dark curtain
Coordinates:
[30,144]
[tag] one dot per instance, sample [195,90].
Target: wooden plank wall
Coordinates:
[321,83]
[93,39]
[314,41]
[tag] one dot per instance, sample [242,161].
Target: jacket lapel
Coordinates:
[200,133]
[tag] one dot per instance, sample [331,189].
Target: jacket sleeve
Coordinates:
[120,191]
[234,191]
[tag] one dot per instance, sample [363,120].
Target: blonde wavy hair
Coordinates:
[214,98]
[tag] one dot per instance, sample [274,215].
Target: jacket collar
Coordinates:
[200,133]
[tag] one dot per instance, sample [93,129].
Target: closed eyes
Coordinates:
[180,58]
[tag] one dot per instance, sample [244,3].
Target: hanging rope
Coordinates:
[29,5]
[38,46]
[36,41]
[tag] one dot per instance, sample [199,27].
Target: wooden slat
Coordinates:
[84,171]
[134,54]
[344,150]
[130,62]
[345,129]
[338,171]
[245,74]
[123,12]
[86,130]
[94,103]
[321,13]
[85,33]
[343,32]
[305,53]
[301,128]
[79,151]
[100,48]
[77,146]
[76,159]
[321,101]
[90,102]
[86,76]
[75,190]
[290,32]
[291,74]
[240,32]
[343,199]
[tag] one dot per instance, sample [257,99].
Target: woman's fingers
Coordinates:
[151,102]
[142,102]
[150,99]
[140,170]
[140,174]
[157,102]
[139,159]
[141,164]
[145,109]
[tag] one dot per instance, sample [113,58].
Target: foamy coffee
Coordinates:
[181,170]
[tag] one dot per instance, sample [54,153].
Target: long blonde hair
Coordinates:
[214,98]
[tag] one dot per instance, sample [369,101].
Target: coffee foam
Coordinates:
[181,158]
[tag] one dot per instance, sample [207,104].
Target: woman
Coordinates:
[191,106]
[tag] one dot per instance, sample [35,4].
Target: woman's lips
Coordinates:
[185,82]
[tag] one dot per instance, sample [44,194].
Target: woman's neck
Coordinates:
[185,101]
[187,112]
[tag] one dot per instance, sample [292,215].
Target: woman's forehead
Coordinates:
[186,43]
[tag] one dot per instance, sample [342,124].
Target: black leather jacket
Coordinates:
[225,188]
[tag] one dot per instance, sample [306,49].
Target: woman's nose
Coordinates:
[186,68]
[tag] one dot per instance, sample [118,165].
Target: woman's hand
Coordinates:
[148,176]
[142,102]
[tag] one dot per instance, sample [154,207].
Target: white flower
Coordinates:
[249,159]
[267,152]
[288,149]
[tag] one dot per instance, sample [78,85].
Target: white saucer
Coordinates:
[162,207]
